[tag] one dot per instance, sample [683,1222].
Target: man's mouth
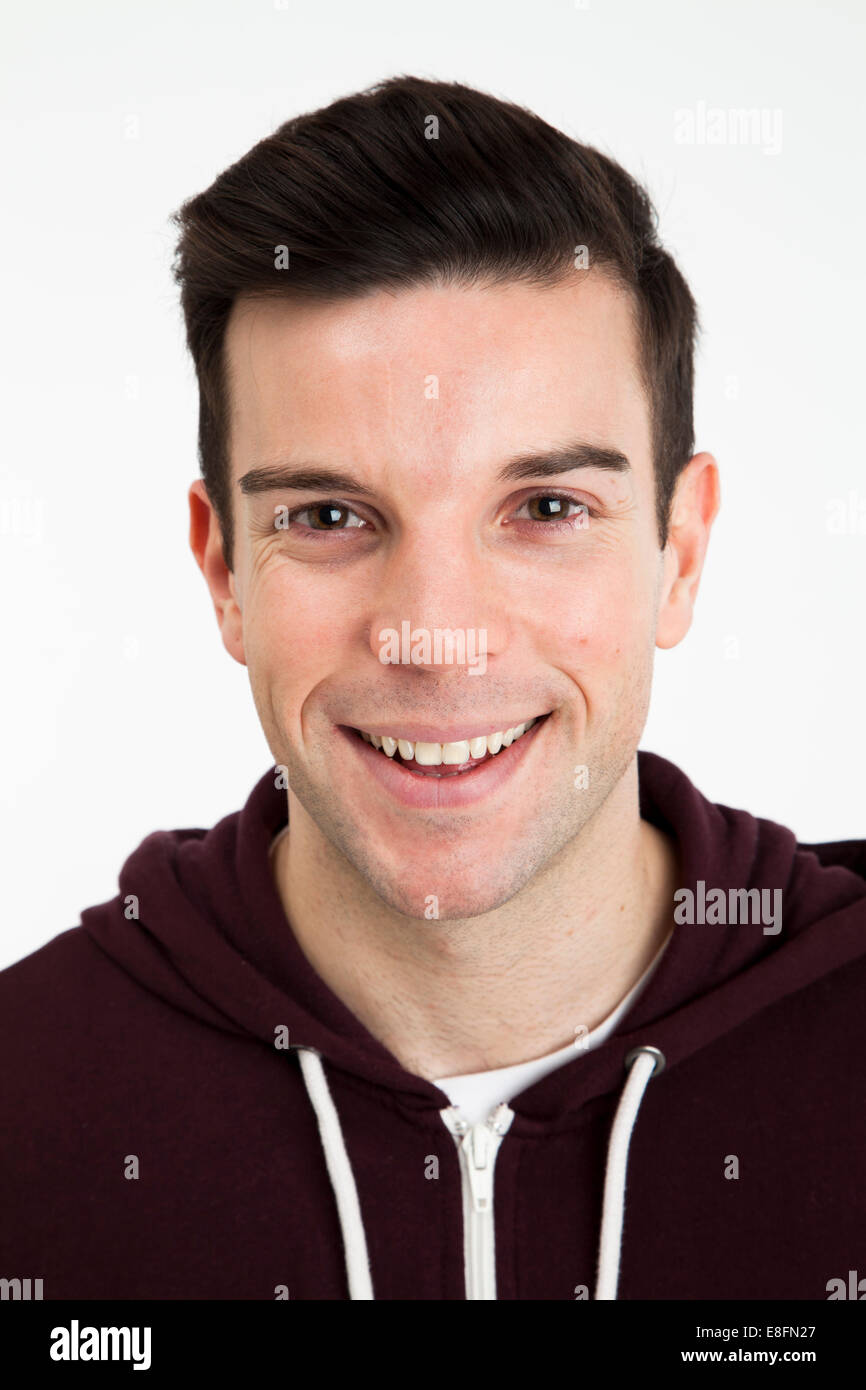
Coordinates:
[444,760]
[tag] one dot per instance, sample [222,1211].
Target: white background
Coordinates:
[121,712]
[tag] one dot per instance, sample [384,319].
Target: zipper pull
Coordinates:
[477,1145]
[480,1145]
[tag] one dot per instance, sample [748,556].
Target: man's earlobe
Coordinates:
[695,505]
[206,543]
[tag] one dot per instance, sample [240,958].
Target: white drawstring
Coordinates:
[644,1062]
[340,1173]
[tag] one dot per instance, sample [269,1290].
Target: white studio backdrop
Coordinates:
[121,712]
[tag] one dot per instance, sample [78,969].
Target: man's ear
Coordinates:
[206,543]
[696,501]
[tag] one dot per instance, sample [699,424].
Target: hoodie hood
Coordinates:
[198,921]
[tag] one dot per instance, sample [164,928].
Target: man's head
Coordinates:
[462,404]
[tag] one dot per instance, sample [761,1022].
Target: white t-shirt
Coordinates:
[477,1094]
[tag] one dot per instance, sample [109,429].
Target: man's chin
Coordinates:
[461,867]
[448,896]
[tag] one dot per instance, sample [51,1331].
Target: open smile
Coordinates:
[428,774]
[459,757]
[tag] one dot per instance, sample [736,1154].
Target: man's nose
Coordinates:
[436,585]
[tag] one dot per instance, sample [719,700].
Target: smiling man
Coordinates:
[406,1023]
[459,511]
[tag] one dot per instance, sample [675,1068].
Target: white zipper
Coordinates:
[477,1147]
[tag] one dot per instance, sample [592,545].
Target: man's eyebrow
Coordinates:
[570,456]
[301,478]
[544,464]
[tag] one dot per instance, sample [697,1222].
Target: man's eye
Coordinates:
[550,506]
[326,516]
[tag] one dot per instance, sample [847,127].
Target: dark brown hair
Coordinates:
[413,182]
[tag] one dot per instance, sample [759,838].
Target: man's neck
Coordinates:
[452,997]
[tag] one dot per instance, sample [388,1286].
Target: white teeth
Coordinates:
[452,754]
[427,754]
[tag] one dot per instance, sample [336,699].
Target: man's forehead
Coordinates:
[457,316]
[488,369]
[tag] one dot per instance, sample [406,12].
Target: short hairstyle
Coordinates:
[413,182]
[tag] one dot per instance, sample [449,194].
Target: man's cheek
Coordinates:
[284,621]
[620,610]
[587,621]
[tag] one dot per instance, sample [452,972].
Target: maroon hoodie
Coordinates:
[189,1112]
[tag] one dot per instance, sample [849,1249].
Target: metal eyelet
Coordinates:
[658,1057]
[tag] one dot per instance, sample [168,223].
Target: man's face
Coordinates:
[423,398]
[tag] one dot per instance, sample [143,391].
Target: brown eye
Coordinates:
[547,508]
[327,516]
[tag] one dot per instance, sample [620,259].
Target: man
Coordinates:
[472,999]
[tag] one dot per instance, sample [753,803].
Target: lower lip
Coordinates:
[441,793]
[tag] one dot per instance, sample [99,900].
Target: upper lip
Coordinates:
[456,733]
